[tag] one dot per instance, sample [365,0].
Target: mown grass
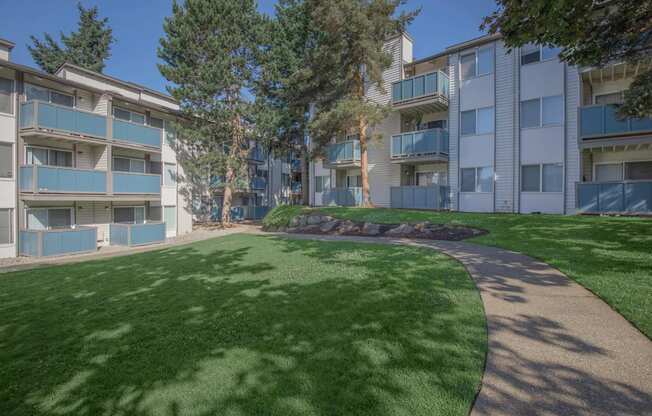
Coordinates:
[244,325]
[611,256]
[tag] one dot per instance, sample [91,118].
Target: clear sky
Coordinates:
[137,27]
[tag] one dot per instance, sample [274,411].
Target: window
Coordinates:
[608,172]
[354,181]
[539,112]
[6,226]
[154,213]
[638,170]
[436,124]
[613,98]
[427,178]
[49,96]
[6,100]
[170,176]
[480,121]
[156,122]
[477,179]
[170,133]
[123,164]
[285,179]
[530,113]
[552,110]
[480,62]
[532,53]
[170,218]
[542,178]
[129,215]
[49,218]
[49,157]
[127,115]
[6,160]
[322,183]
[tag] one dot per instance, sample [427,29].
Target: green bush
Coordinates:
[281,216]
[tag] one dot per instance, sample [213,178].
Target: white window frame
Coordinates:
[477,181]
[176,214]
[130,159]
[623,170]
[133,207]
[47,209]
[541,124]
[11,97]
[476,53]
[595,96]
[13,162]
[168,185]
[540,166]
[12,227]
[72,155]
[50,91]
[475,130]
[130,115]
[540,47]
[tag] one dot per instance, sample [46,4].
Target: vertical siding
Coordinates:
[453,129]
[505,140]
[572,147]
[391,74]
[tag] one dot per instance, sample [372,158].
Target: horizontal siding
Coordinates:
[453,130]
[504,163]
[572,147]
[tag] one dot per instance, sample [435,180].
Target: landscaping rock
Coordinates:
[403,230]
[348,227]
[371,229]
[314,219]
[329,226]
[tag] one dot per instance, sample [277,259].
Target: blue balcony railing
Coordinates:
[344,152]
[241,213]
[136,183]
[420,143]
[633,197]
[436,197]
[257,154]
[136,234]
[51,179]
[295,165]
[138,134]
[346,197]
[61,119]
[602,121]
[43,243]
[258,183]
[433,83]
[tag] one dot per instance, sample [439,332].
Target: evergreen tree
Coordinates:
[350,57]
[589,32]
[209,54]
[89,47]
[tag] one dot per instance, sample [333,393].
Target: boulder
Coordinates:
[295,221]
[348,227]
[329,226]
[422,226]
[371,229]
[402,230]
[314,219]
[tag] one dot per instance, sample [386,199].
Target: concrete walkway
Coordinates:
[554,347]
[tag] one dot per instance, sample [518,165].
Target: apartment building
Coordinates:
[87,160]
[478,128]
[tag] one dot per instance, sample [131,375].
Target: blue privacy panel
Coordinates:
[28,243]
[136,133]
[134,183]
[344,152]
[613,197]
[70,120]
[51,179]
[420,197]
[346,197]
[603,120]
[420,143]
[142,234]
[119,234]
[69,241]
[26,178]
[420,86]
[27,114]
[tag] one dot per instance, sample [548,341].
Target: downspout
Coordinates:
[18,209]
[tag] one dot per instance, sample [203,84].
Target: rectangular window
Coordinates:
[49,218]
[6,160]
[49,157]
[549,53]
[62,99]
[485,61]
[638,170]
[285,179]
[170,133]
[6,226]
[33,92]
[354,181]
[123,164]
[6,98]
[137,118]
[156,122]
[485,179]
[552,112]
[605,99]
[319,184]
[468,122]
[468,180]
[609,172]
[170,218]
[170,176]
[530,53]
[485,123]
[436,124]
[530,178]
[60,218]
[530,113]
[121,114]
[129,215]
[552,177]
[426,178]
[467,66]
[154,213]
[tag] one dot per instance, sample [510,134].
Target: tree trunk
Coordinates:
[364,163]
[228,198]
[305,178]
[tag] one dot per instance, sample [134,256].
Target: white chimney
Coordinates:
[5,49]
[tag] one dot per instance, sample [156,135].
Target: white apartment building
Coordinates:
[88,160]
[477,128]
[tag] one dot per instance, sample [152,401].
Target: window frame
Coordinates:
[476,123]
[541,122]
[12,173]
[623,169]
[12,227]
[539,49]
[131,112]
[476,65]
[541,176]
[174,179]
[47,210]
[133,207]
[49,149]
[12,91]
[476,177]
[130,160]
[50,91]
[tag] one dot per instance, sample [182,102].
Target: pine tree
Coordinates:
[348,58]
[209,55]
[89,47]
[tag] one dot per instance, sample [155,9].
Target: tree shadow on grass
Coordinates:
[242,326]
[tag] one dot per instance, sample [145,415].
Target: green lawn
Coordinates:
[244,325]
[611,256]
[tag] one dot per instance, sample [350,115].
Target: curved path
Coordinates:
[554,347]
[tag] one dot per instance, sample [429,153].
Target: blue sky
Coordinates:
[137,27]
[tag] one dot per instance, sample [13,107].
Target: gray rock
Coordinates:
[295,221]
[314,219]
[311,229]
[422,226]
[402,230]
[348,227]
[329,226]
[371,229]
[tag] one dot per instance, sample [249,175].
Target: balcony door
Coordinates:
[129,215]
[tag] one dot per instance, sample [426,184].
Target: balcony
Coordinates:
[601,121]
[630,197]
[137,134]
[295,187]
[346,197]
[258,183]
[44,243]
[136,234]
[425,93]
[420,146]
[344,154]
[435,197]
[40,116]
[136,183]
[241,213]
[50,179]
[256,155]
[295,165]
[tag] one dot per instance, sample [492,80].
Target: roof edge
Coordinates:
[9,44]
